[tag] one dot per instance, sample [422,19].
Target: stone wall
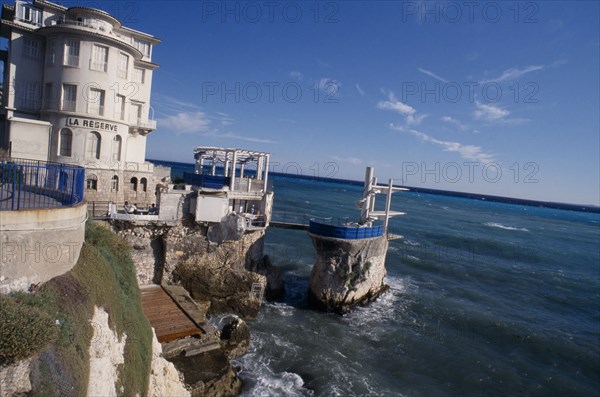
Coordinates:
[347,272]
[37,245]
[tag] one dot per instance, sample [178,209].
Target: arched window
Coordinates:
[116,149]
[93,145]
[133,184]
[144,184]
[66,142]
[91,182]
[114,183]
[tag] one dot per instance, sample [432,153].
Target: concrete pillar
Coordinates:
[232,180]
[364,213]
[266,178]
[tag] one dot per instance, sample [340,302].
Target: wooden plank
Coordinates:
[169,322]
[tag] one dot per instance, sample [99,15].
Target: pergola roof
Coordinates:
[223,154]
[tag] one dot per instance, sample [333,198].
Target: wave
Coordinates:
[501,226]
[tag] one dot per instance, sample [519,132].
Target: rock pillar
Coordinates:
[347,272]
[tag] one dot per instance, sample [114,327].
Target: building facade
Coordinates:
[76,90]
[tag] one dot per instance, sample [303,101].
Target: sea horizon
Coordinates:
[591,208]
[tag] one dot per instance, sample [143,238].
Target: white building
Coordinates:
[76,89]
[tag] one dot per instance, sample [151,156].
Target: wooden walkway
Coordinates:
[167,319]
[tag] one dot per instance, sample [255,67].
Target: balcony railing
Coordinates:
[31,184]
[149,124]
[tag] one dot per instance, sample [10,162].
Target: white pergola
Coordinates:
[232,160]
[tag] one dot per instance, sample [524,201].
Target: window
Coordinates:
[91,182]
[142,46]
[116,149]
[69,97]
[139,75]
[135,113]
[29,14]
[51,53]
[96,102]
[72,52]
[49,96]
[99,59]
[31,48]
[123,66]
[120,107]
[133,184]
[114,183]
[29,98]
[66,141]
[144,184]
[93,145]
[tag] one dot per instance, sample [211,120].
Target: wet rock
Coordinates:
[235,338]
[347,272]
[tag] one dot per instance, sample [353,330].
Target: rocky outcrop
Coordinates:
[209,374]
[235,338]
[106,354]
[347,272]
[164,378]
[215,263]
[14,379]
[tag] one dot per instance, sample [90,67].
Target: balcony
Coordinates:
[145,125]
[31,184]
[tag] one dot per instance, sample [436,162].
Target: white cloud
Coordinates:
[350,160]
[431,74]
[329,85]
[393,104]
[296,75]
[513,74]
[186,122]
[489,112]
[231,135]
[455,122]
[360,91]
[468,152]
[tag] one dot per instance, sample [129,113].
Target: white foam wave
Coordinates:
[385,308]
[501,226]
[278,384]
[282,308]
[410,242]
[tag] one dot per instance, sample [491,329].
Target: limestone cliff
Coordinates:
[215,263]
[347,272]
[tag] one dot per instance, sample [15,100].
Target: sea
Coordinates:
[485,299]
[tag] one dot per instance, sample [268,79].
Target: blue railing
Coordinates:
[344,232]
[31,184]
[208,181]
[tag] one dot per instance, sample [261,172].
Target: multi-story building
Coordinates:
[76,90]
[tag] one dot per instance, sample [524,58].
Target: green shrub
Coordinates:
[24,330]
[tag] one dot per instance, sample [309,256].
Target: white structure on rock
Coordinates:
[76,90]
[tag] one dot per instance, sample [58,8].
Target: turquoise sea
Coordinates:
[486,299]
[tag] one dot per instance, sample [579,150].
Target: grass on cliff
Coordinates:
[104,276]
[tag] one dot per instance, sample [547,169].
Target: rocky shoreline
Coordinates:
[220,269]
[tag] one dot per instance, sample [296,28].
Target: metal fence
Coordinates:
[344,232]
[32,184]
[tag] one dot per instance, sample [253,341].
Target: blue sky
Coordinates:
[493,97]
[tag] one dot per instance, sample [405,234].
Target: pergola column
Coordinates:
[232,180]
